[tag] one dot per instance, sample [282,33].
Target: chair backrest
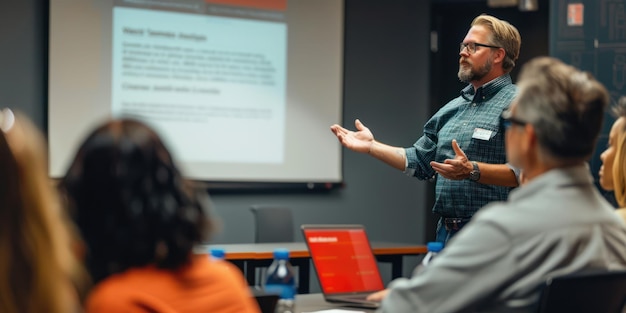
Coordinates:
[272,224]
[585,292]
[267,301]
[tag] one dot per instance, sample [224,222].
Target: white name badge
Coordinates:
[482,134]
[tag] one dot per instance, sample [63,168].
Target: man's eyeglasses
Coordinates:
[508,120]
[471,46]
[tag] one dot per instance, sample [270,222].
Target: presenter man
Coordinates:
[462,147]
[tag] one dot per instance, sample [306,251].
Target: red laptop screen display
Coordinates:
[344,260]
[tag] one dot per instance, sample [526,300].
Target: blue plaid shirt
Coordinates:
[459,120]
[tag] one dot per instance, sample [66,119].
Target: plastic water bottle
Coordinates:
[281,279]
[433,249]
[217,253]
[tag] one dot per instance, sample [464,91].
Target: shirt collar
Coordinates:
[486,91]
[575,175]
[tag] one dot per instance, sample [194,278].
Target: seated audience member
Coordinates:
[556,223]
[613,169]
[39,268]
[140,221]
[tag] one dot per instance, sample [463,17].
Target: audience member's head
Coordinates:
[130,202]
[556,118]
[613,169]
[38,266]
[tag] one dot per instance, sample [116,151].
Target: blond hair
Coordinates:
[619,162]
[619,169]
[39,268]
[504,35]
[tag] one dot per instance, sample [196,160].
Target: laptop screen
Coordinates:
[343,258]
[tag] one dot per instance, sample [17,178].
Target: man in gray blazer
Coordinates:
[556,223]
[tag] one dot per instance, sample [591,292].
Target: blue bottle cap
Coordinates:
[218,253]
[281,254]
[434,246]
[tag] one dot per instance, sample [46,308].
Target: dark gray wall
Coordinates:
[386,86]
[23,55]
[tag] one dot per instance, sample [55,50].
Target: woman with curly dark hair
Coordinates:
[140,221]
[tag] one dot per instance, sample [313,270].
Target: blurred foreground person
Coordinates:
[39,268]
[613,170]
[140,220]
[556,223]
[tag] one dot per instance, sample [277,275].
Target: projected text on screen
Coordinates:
[199,74]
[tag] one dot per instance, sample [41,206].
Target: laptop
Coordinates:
[346,267]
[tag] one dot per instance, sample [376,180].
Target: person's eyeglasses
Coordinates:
[508,120]
[471,46]
[7,119]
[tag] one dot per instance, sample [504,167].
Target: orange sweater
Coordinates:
[204,286]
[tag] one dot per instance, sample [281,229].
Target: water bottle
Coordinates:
[433,249]
[281,279]
[217,253]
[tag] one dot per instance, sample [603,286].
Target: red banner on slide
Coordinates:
[277,5]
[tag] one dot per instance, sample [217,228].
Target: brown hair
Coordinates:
[38,267]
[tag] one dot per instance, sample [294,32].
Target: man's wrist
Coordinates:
[369,150]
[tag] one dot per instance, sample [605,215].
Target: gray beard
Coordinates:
[467,76]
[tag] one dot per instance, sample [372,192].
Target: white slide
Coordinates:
[199,74]
[239,92]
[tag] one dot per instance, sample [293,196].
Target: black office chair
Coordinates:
[267,301]
[272,224]
[585,292]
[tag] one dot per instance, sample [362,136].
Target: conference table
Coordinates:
[315,302]
[249,256]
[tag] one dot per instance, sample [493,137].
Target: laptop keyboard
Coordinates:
[357,297]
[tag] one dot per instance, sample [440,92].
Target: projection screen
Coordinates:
[240,90]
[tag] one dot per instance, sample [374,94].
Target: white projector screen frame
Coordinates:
[241,91]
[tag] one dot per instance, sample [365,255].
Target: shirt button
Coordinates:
[474,104]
